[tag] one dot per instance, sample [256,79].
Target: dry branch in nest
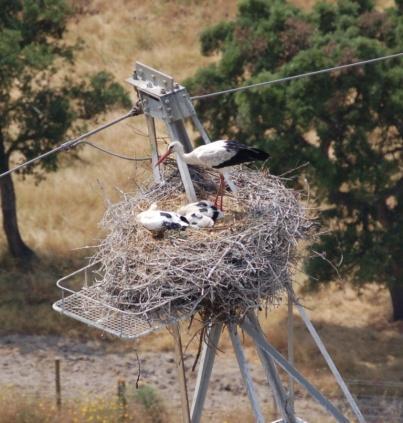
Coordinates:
[244,261]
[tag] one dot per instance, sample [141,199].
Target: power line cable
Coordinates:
[290,78]
[136,110]
[111,153]
[138,131]
[143,134]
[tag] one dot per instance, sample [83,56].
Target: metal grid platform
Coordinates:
[81,305]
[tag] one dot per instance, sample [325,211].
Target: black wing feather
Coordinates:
[171,225]
[243,154]
[215,215]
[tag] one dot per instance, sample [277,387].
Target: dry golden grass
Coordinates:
[63,212]
[145,406]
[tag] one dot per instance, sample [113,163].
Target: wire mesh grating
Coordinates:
[81,305]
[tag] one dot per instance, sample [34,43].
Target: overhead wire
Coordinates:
[293,77]
[111,153]
[138,131]
[75,141]
[137,110]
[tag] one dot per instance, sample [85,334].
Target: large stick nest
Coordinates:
[244,261]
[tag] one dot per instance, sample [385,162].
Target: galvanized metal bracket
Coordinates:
[164,99]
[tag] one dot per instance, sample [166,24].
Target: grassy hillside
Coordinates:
[62,213]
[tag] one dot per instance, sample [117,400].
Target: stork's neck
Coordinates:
[189,158]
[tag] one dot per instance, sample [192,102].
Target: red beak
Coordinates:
[163,157]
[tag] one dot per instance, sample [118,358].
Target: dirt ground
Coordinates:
[88,369]
[355,328]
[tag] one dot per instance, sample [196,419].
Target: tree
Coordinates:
[40,101]
[347,124]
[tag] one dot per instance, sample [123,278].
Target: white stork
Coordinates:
[204,207]
[158,221]
[218,155]
[199,220]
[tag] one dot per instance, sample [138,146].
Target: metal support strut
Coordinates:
[273,377]
[247,379]
[206,366]
[331,364]
[269,351]
[181,373]
[164,99]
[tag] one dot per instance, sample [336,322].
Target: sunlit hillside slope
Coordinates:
[63,212]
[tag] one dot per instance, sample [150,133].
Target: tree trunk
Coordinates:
[16,245]
[396,293]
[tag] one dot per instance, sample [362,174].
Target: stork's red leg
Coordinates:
[220,192]
[222,185]
[216,197]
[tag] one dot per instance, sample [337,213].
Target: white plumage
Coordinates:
[198,220]
[212,155]
[159,221]
[218,155]
[204,207]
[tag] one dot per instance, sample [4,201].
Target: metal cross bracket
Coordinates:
[164,99]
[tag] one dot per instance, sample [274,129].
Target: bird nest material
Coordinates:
[241,263]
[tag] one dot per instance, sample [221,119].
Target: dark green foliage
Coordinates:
[212,38]
[42,101]
[347,124]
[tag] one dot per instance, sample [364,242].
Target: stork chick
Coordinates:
[199,220]
[206,208]
[158,221]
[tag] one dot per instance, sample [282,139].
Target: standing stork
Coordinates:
[218,155]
